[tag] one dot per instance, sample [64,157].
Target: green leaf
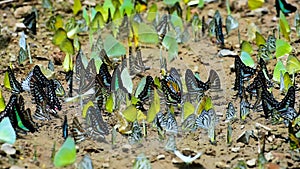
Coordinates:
[278,68]
[282,48]
[152,13]
[66,155]
[113,48]
[284,26]
[188,109]
[246,47]
[246,59]
[254,4]
[76,6]
[59,36]
[170,43]
[126,80]
[130,113]
[292,65]
[154,107]
[147,34]
[259,39]
[127,7]
[7,132]
[170,2]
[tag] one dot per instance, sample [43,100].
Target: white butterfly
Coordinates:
[187,159]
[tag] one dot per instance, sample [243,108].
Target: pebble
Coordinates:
[105,165]
[211,13]
[221,164]
[126,148]
[226,52]
[235,149]
[269,156]
[174,161]
[21,11]
[16,167]
[19,27]
[251,163]
[8,149]
[160,157]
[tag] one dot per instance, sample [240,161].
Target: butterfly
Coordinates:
[102,84]
[78,132]
[229,134]
[59,89]
[187,159]
[171,144]
[141,162]
[284,7]
[25,115]
[207,119]
[136,133]
[189,123]
[136,64]
[30,21]
[86,162]
[172,87]
[15,85]
[65,128]
[218,28]
[163,27]
[96,127]
[244,108]
[26,82]
[144,89]
[166,122]
[242,73]
[230,113]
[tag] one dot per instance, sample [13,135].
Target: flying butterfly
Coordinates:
[96,127]
[15,85]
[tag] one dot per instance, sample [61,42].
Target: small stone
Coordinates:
[21,11]
[16,167]
[235,149]
[126,148]
[211,13]
[8,149]
[221,164]
[226,52]
[105,165]
[160,157]
[19,27]
[174,161]
[269,156]
[251,163]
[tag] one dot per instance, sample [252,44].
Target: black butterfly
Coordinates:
[96,127]
[15,85]
[146,91]
[30,22]
[176,7]
[65,127]
[69,79]
[102,84]
[242,73]
[218,28]
[284,7]
[18,116]
[39,76]
[52,100]
[172,87]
